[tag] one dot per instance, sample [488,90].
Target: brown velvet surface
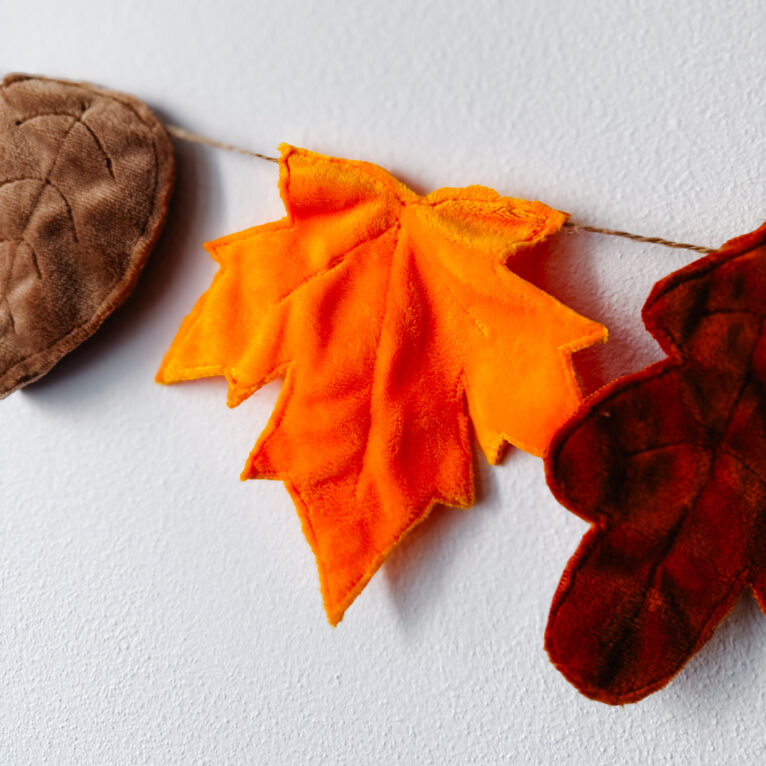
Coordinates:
[669,465]
[86,177]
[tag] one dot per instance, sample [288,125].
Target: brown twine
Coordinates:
[575,227]
[194,138]
[187,135]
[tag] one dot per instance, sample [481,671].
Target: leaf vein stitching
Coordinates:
[363,462]
[332,265]
[100,145]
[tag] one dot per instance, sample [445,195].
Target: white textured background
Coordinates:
[153,608]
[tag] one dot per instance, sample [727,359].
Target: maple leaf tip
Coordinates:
[336,611]
[163,376]
[334,617]
[495,455]
[248,472]
[593,334]
[600,334]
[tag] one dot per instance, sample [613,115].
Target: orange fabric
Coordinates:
[392,317]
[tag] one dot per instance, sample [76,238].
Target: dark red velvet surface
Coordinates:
[669,465]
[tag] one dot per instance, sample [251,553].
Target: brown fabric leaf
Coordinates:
[86,176]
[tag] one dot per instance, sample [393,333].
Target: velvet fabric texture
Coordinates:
[669,465]
[392,317]
[85,182]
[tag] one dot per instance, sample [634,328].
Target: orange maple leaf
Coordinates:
[392,317]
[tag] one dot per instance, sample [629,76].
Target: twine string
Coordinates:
[195,138]
[575,227]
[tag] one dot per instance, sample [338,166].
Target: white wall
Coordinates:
[154,609]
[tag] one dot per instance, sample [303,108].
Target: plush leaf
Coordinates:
[392,317]
[669,464]
[85,182]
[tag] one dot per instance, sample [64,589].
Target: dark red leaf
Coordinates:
[669,464]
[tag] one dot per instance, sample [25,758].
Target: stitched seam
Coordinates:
[10,181]
[333,264]
[100,145]
[654,448]
[24,120]
[438,269]
[67,206]
[377,361]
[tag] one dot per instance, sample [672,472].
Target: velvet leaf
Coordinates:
[86,176]
[392,317]
[669,465]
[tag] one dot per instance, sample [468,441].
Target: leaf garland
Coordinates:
[397,326]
